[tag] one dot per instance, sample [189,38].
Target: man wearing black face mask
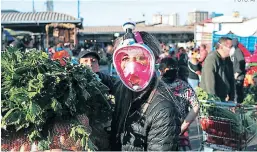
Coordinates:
[217,74]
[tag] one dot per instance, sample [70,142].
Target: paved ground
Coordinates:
[194,135]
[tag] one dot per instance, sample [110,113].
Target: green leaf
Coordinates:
[81,131]
[55,105]
[32,94]
[72,133]
[70,100]
[83,141]
[22,126]
[29,117]
[18,95]
[34,135]
[43,145]
[34,109]
[13,116]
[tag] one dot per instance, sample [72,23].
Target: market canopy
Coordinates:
[245,29]
[227,19]
[37,17]
[36,21]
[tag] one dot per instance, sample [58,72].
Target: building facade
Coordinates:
[104,35]
[165,19]
[157,19]
[197,17]
[49,6]
[174,19]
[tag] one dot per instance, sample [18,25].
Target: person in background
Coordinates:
[21,44]
[203,54]
[59,46]
[172,51]
[194,68]
[237,57]
[187,96]
[72,46]
[62,56]
[50,52]
[89,58]
[217,74]
[109,53]
[68,48]
[172,54]
[165,53]
[163,46]
[182,57]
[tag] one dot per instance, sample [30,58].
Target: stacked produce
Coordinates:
[250,95]
[251,74]
[49,106]
[224,125]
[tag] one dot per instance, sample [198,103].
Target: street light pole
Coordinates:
[78,8]
[33,6]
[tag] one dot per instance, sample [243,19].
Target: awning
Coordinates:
[245,29]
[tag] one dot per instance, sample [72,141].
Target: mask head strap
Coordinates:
[138,38]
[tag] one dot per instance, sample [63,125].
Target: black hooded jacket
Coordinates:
[238,61]
[132,130]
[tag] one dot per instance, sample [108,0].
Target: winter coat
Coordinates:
[156,129]
[217,76]
[238,61]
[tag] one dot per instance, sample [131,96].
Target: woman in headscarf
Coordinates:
[185,93]
[145,117]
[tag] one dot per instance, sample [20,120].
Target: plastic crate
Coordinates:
[248,42]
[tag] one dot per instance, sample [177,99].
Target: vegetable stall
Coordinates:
[227,125]
[64,32]
[46,105]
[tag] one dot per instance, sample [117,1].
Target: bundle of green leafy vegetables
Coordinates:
[202,95]
[216,112]
[238,119]
[250,95]
[37,91]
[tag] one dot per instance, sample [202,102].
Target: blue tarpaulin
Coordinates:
[8,36]
[248,42]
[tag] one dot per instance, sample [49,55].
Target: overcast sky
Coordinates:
[116,12]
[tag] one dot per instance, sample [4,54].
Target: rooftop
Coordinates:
[9,11]
[12,17]
[150,29]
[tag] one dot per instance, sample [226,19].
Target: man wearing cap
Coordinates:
[90,58]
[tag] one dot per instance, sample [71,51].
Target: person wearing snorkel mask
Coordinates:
[145,117]
[217,73]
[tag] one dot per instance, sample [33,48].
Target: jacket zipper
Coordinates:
[125,121]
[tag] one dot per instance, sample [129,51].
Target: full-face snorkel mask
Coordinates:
[134,61]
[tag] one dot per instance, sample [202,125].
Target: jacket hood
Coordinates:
[235,42]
